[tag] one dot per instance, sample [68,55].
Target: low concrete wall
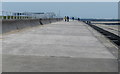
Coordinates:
[8,25]
[11,25]
[45,21]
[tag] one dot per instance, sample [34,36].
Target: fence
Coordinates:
[25,15]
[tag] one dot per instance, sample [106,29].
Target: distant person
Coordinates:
[78,19]
[73,18]
[67,19]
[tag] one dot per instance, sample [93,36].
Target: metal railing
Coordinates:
[24,15]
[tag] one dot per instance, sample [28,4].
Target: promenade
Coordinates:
[61,46]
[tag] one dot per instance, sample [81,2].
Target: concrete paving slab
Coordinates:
[60,46]
[57,64]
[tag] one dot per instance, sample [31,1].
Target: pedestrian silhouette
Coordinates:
[73,18]
[78,19]
[67,19]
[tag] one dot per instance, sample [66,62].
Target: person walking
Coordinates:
[73,18]
[67,19]
[78,19]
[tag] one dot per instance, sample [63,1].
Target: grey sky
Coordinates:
[77,9]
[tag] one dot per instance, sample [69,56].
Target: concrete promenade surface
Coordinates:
[57,47]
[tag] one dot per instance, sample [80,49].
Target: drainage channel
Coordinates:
[113,38]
